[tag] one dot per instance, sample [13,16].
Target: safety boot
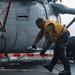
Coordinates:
[47,66]
[65,72]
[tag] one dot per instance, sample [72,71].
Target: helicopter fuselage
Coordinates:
[21,28]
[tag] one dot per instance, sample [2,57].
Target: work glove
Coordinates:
[34,46]
[42,52]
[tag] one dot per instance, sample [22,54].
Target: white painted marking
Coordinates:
[28,70]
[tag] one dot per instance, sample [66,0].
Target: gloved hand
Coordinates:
[34,46]
[42,52]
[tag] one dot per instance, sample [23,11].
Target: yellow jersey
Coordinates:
[59,29]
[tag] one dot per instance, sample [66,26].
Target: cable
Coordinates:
[15,40]
[20,57]
[46,18]
[51,65]
[4,10]
[13,61]
[29,6]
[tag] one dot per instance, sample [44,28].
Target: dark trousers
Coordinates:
[59,51]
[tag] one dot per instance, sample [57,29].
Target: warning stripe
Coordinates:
[32,55]
[2,55]
[29,55]
[26,55]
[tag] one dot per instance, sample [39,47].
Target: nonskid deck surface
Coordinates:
[31,65]
[31,68]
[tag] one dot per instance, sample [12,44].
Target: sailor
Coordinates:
[54,33]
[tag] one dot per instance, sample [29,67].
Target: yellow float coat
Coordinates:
[59,29]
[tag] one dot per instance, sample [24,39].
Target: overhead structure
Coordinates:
[73,20]
[62,9]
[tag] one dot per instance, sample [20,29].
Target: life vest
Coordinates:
[59,29]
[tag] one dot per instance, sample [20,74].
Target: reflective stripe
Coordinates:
[29,55]
[17,55]
[26,55]
[1,55]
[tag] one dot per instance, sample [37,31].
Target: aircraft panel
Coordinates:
[21,41]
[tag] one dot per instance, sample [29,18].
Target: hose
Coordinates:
[46,18]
